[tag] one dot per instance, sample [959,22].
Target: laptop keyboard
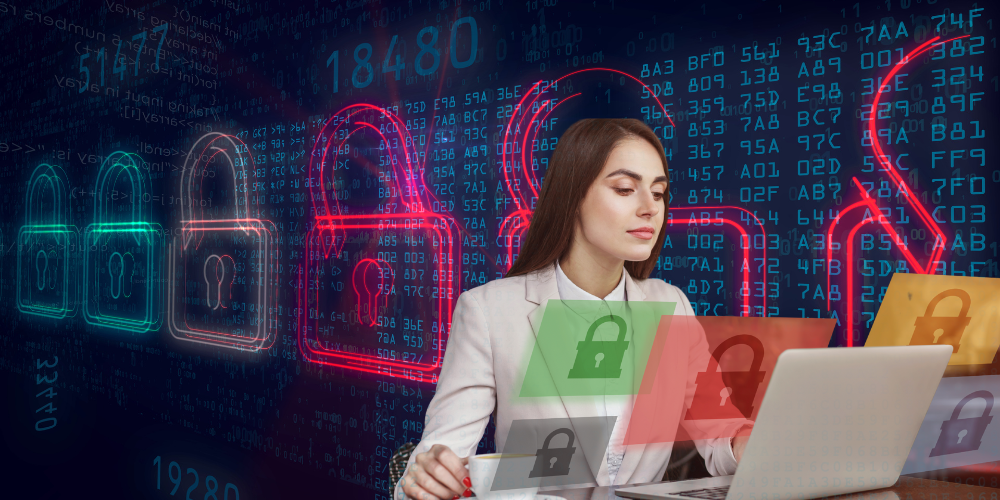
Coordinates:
[707,493]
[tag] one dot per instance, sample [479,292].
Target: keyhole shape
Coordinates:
[128,272]
[52,270]
[227,270]
[552,462]
[961,435]
[937,334]
[598,358]
[725,393]
[41,267]
[214,272]
[218,279]
[116,272]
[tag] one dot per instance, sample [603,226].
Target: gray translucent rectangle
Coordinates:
[573,455]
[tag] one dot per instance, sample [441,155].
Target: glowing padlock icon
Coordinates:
[397,222]
[45,284]
[372,279]
[551,462]
[930,329]
[715,388]
[121,250]
[220,287]
[959,435]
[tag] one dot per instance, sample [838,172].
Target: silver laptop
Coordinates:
[833,421]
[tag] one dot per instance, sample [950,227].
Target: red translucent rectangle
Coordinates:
[707,375]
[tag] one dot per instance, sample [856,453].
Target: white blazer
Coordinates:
[493,326]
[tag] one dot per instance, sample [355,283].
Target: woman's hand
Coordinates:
[437,474]
[740,442]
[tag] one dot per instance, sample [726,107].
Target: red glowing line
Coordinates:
[829,247]
[746,257]
[525,165]
[887,165]
[868,202]
[416,217]
[519,106]
[357,357]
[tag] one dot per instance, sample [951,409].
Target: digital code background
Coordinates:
[815,148]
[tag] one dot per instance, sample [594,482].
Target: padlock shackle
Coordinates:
[228,149]
[622,327]
[747,340]
[114,165]
[54,177]
[327,150]
[954,292]
[984,395]
[562,430]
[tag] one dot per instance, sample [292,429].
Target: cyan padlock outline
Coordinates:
[332,221]
[940,448]
[753,343]
[144,233]
[923,334]
[52,176]
[542,457]
[579,370]
[194,226]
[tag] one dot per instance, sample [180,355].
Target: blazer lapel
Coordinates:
[540,286]
[633,453]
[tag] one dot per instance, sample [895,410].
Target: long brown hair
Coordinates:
[579,158]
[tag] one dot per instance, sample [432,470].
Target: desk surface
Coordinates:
[907,488]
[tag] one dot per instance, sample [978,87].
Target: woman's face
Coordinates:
[622,212]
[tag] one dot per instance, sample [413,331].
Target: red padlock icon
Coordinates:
[370,205]
[728,394]
[220,286]
[930,329]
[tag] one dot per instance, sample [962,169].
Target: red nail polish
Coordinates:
[467,482]
[456,497]
[467,494]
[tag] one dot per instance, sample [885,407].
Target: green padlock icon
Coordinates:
[46,283]
[121,254]
[600,359]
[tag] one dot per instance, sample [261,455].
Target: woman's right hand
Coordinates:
[437,474]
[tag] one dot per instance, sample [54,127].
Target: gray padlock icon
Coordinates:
[551,462]
[964,434]
[600,359]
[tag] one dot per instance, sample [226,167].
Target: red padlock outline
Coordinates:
[193,229]
[713,368]
[514,225]
[331,220]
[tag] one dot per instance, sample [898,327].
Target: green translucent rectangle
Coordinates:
[552,369]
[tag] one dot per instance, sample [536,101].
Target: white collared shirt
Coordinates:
[619,406]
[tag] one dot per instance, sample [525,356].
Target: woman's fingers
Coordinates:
[431,485]
[414,491]
[455,468]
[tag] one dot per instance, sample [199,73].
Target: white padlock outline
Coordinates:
[262,337]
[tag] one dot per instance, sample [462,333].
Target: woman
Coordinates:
[596,233]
